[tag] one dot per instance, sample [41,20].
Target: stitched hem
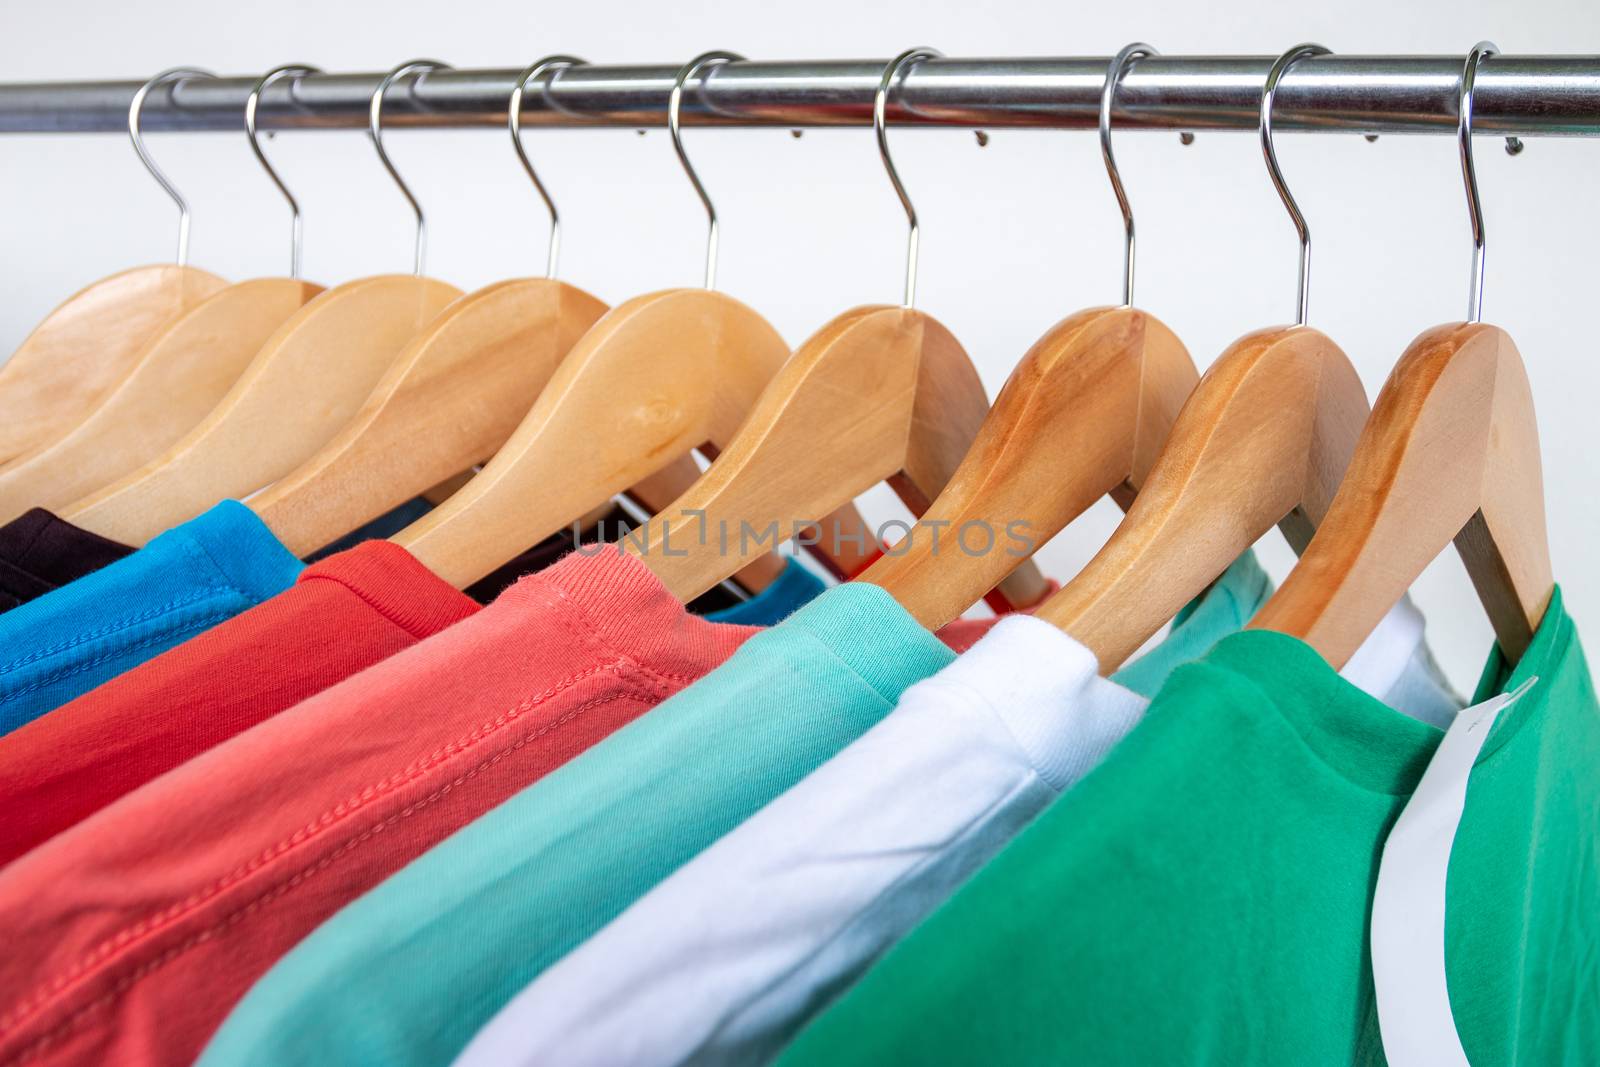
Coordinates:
[68,1025]
[106,631]
[61,674]
[131,936]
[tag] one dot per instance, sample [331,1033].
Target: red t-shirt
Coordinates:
[129,936]
[344,614]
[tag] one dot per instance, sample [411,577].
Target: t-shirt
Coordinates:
[131,934]
[183,582]
[40,552]
[343,614]
[1203,895]
[792,589]
[485,912]
[724,961]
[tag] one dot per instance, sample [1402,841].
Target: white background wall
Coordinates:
[1016,235]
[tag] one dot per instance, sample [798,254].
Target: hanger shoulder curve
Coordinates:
[1451,453]
[655,377]
[878,394]
[176,380]
[446,404]
[85,346]
[301,387]
[1085,412]
[1263,440]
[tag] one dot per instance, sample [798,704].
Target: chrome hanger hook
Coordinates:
[375,129]
[176,75]
[1269,92]
[1469,174]
[880,125]
[252,104]
[674,127]
[1114,72]
[514,123]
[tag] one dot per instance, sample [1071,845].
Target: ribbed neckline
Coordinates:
[624,604]
[247,554]
[396,585]
[868,631]
[1362,739]
[1370,744]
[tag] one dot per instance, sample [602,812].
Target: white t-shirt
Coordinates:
[725,960]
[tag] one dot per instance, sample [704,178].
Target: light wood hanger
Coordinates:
[1451,453]
[878,394]
[86,346]
[175,381]
[83,348]
[307,381]
[654,378]
[1082,416]
[1262,441]
[178,378]
[448,401]
[461,386]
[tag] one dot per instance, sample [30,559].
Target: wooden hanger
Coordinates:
[448,401]
[77,355]
[460,387]
[1263,440]
[653,379]
[878,394]
[1082,416]
[83,348]
[308,380]
[1451,453]
[175,381]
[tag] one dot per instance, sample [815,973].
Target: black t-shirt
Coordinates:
[40,552]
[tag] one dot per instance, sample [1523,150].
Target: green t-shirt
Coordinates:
[409,972]
[1203,895]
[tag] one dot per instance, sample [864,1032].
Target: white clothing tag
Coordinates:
[1408,907]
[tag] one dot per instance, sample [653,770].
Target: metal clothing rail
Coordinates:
[1525,96]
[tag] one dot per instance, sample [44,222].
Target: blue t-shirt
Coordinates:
[789,592]
[183,582]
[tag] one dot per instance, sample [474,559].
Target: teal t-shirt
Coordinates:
[184,581]
[409,972]
[1203,896]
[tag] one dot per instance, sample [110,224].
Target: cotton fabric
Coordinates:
[490,908]
[131,934]
[726,959]
[717,962]
[1203,895]
[40,552]
[183,582]
[794,588]
[342,615]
